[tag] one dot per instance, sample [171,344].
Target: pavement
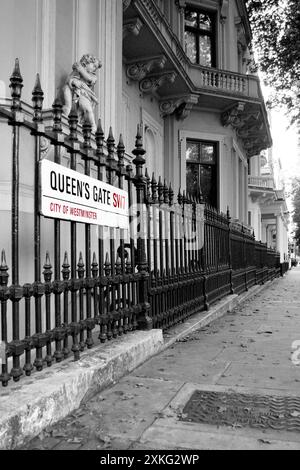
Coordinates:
[251,353]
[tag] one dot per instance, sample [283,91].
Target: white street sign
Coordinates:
[69,195]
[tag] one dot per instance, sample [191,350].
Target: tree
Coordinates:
[296,203]
[276,42]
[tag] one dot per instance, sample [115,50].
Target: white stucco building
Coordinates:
[178,68]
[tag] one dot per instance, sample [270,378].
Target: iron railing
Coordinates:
[93,284]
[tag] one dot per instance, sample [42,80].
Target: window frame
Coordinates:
[198,32]
[215,144]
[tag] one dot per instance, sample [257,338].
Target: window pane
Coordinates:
[191,18]
[208,184]
[205,51]
[208,154]
[193,151]
[190,46]
[192,178]
[205,22]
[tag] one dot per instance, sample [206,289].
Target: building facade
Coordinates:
[180,69]
[268,211]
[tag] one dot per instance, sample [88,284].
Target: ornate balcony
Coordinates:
[261,182]
[158,62]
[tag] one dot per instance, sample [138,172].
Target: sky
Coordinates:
[285,146]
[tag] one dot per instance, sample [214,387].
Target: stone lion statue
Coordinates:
[79,88]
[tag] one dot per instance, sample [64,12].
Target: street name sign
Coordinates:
[69,195]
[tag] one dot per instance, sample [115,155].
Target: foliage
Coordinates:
[276,41]
[296,203]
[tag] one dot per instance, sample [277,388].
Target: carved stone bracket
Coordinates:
[256,129]
[182,106]
[126,4]
[249,127]
[153,82]
[140,68]
[233,116]
[264,198]
[132,26]
[181,4]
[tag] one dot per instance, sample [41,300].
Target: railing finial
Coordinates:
[16,85]
[73,122]
[37,100]
[57,114]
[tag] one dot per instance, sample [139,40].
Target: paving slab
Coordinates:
[234,353]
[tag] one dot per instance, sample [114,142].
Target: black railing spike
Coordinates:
[95,266]
[16,71]
[80,260]
[37,86]
[171,195]
[179,197]
[139,143]
[99,132]
[65,267]
[3,258]
[57,114]
[73,122]
[3,270]
[160,190]
[139,159]
[47,268]
[148,185]
[128,263]
[37,100]
[73,112]
[121,154]
[16,85]
[80,266]
[121,145]
[110,138]
[47,260]
[118,265]
[166,193]
[87,133]
[94,259]
[138,132]
[154,188]
[107,264]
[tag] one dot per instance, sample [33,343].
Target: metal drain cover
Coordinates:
[243,410]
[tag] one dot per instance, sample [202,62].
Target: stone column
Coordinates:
[279,236]
[110,16]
